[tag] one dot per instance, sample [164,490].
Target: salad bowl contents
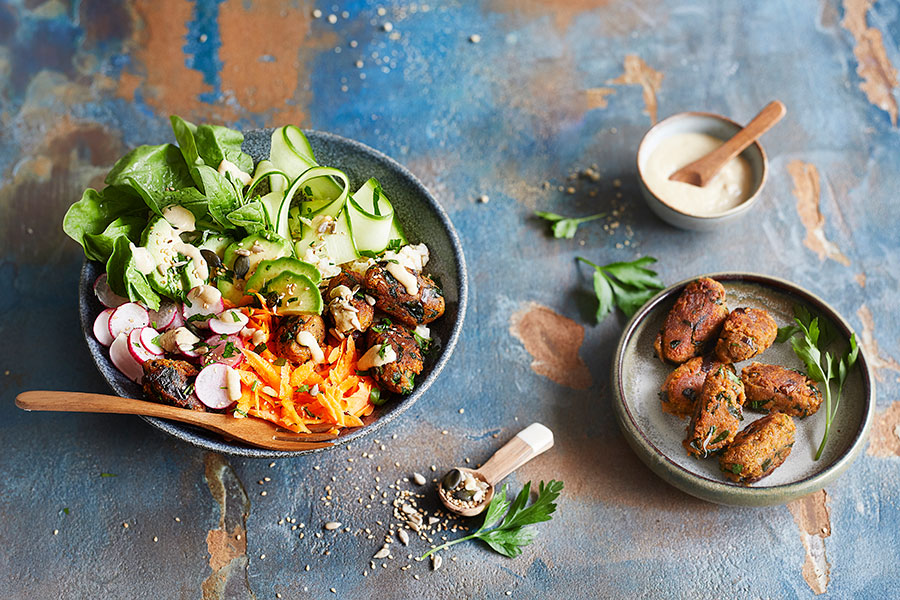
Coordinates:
[243,277]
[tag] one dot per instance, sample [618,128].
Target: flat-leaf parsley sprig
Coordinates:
[565,227]
[514,533]
[627,285]
[821,365]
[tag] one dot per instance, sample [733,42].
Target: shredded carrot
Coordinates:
[281,392]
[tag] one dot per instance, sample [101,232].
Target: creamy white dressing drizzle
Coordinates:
[179,218]
[226,166]
[233,384]
[305,338]
[377,356]
[143,260]
[206,295]
[729,188]
[404,277]
[346,317]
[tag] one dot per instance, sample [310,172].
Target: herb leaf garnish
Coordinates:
[822,366]
[514,532]
[627,285]
[565,227]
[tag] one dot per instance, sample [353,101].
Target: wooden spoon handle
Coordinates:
[761,123]
[528,443]
[99,403]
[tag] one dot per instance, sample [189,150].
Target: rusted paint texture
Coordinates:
[551,89]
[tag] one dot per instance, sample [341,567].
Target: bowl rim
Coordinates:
[743,206]
[210,441]
[717,491]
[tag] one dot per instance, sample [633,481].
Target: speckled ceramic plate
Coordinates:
[423,219]
[656,436]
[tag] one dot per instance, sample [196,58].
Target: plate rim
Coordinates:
[201,438]
[717,491]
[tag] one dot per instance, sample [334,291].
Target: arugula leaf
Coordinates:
[99,246]
[565,227]
[221,196]
[628,285]
[184,134]
[251,216]
[215,143]
[515,531]
[153,167]
[810,338]
[97,210]
[125,279]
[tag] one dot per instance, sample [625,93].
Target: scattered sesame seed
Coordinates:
[271,464]
[317,14]
[381,11]
[125,525]
[56,532]
[484,198]
[474,38]
[178,519]
[462,410]
[262,493]
[203,38]
[388,26]
[433,468]
[262,556]
[332,19]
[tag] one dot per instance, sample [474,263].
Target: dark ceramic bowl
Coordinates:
[423,219]
[655,436]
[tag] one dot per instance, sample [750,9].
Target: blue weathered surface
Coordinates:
[540,97]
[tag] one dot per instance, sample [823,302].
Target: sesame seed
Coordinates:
[262,557]
[474,38]
[262,493]
[388,26]
[125,525]
[155,539]
[381,11]
[56,532]
[178,519]
[332,19]
[317,14]
[462,410]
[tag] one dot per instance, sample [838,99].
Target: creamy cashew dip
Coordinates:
[729,188]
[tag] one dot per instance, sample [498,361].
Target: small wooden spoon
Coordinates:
[252,431]
[528,443]
[702,170]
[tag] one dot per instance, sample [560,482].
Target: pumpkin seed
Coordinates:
[241,266]
[452,479]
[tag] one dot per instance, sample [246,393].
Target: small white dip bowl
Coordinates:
[710,124]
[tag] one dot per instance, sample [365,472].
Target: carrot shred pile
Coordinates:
[281,393]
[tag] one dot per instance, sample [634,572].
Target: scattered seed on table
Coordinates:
[271,464]
[436,562]
[462,411]
[262,557]
[155,539]
[331,525]
[419,479]
[388,26]
[404,537]
[385,550]
[474,38]
[56,532]
[317,14]
[263,493]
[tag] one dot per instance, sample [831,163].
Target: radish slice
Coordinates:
[225,350]
[130,315]
[150,341]
[123,360]
[137,350]
[177,320]
[106,296]
[165,316]
[202,303]
[228,322]
[101,327]
[211,386]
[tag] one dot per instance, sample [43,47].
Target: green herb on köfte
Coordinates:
[515,531]
[565,227]
[627,285]
[822,366]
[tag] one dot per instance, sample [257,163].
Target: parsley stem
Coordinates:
[448,544]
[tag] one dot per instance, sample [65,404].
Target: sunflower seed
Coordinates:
[436,562]
[419,479]
[404,537]
[385,550]
[332,525]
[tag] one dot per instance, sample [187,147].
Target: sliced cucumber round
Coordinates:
[270,269]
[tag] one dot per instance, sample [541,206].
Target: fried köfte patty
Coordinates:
[717,415]
[349,315]
[693,322]
[426,305]
[397,376]
[745,333]
[772,388]
[759,449]
[170,382]
[682,387]
[286,334]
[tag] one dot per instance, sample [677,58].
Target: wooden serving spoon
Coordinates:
[702,170]
[252,431]
[528,443]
